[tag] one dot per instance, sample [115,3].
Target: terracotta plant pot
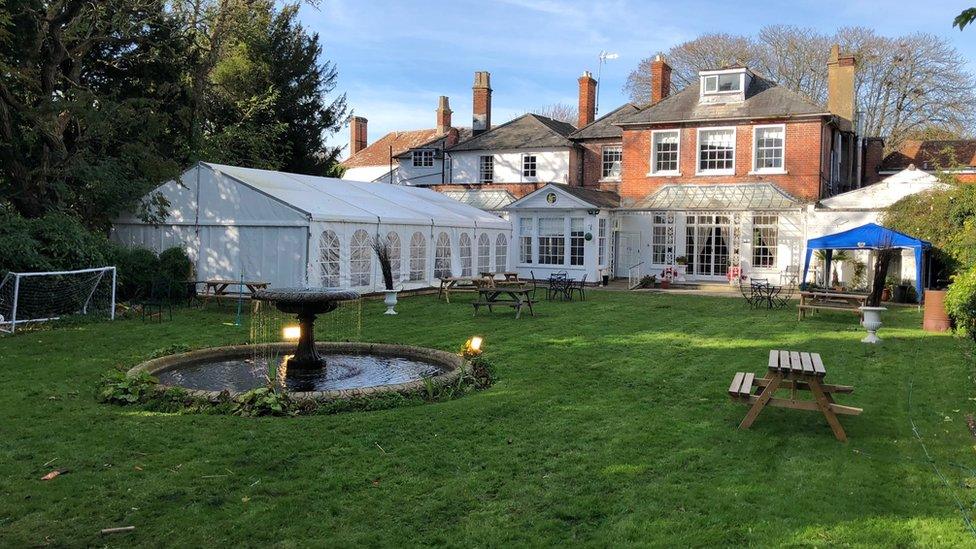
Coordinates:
[886,295]
[665,284]
[935,318]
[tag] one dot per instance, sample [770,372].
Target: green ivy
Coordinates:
[960,301]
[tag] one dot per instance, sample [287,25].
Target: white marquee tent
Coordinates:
[300,230]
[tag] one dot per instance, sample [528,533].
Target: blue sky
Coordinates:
[396,58]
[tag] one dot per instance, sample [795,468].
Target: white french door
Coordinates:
[707,244]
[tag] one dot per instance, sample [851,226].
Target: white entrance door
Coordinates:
[708,242]
[628,252]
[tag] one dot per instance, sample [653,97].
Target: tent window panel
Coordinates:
[329,259]
[464,250]
[576,240]
[525,240]
[501,254]
[442,256]
[394,240]
[360,258]
[418,257]
[552,241]
[765,233]
[484,253]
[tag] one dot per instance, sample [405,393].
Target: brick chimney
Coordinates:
[660,79]
[873,155]
[357,138]
[443,115]
[840,84]
[481,111]
[587,99]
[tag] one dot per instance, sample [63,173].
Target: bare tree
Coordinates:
[708,51]
[558,111]
[904,85]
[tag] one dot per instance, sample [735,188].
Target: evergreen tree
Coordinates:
[303,85]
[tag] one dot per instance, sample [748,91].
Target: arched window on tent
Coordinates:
[464,250]
[394,240]
[484,253]
[329,259]
[418,257]
[442,256]
[501,253]
[360,258]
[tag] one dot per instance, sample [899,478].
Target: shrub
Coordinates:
[175,267]
[118,388]
[135,268]
[960,301]
[56,241]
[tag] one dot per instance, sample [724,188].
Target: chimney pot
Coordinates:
[587,99]
[660,79]
[443,115]
[481,96]
[357,134]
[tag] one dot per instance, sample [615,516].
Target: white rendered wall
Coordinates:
[552,166]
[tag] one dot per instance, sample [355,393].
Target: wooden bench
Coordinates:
[793,371]
[829,301]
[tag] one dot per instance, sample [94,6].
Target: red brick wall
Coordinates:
[802,160]
[873,155]
[518,190]
[592,158]
[587,100]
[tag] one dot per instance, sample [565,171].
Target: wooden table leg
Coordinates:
[824,405]
[760,403]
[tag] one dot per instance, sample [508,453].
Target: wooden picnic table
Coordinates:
[217,288]
[458,284]
[797,372]
[825,300]
[509,294]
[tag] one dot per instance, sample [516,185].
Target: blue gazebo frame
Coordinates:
[870,236]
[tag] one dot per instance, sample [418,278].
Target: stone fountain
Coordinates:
[310,369]
[306,304]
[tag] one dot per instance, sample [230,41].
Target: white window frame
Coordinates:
[535,166]
[603,162]
[659,238]
[601,240]
[664,173]
[755,149]
[526,236]
[576,251]
[698,149]
[554,247]
[773,250]
[486,168]
[740,76]
[426,157]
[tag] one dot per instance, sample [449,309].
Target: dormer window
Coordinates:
[724,85]
[720,83]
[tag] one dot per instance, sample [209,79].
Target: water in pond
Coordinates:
[342,371]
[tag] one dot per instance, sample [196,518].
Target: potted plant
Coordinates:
[667,275]
[383,247]
[872,309]
[605,276]
[680,264]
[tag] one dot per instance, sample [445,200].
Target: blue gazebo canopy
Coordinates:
[870,236]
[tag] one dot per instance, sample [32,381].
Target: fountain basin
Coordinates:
[390,369]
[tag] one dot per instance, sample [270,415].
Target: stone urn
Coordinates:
[390,300]
[872,323]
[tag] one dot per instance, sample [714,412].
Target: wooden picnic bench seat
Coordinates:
[741,388]
[793,371]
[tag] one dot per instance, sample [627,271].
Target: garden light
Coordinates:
[291,333]
[472,347]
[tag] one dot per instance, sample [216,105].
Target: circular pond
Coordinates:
[350,369]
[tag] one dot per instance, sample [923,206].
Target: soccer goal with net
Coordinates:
[41,297]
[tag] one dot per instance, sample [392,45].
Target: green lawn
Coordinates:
[609,426]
